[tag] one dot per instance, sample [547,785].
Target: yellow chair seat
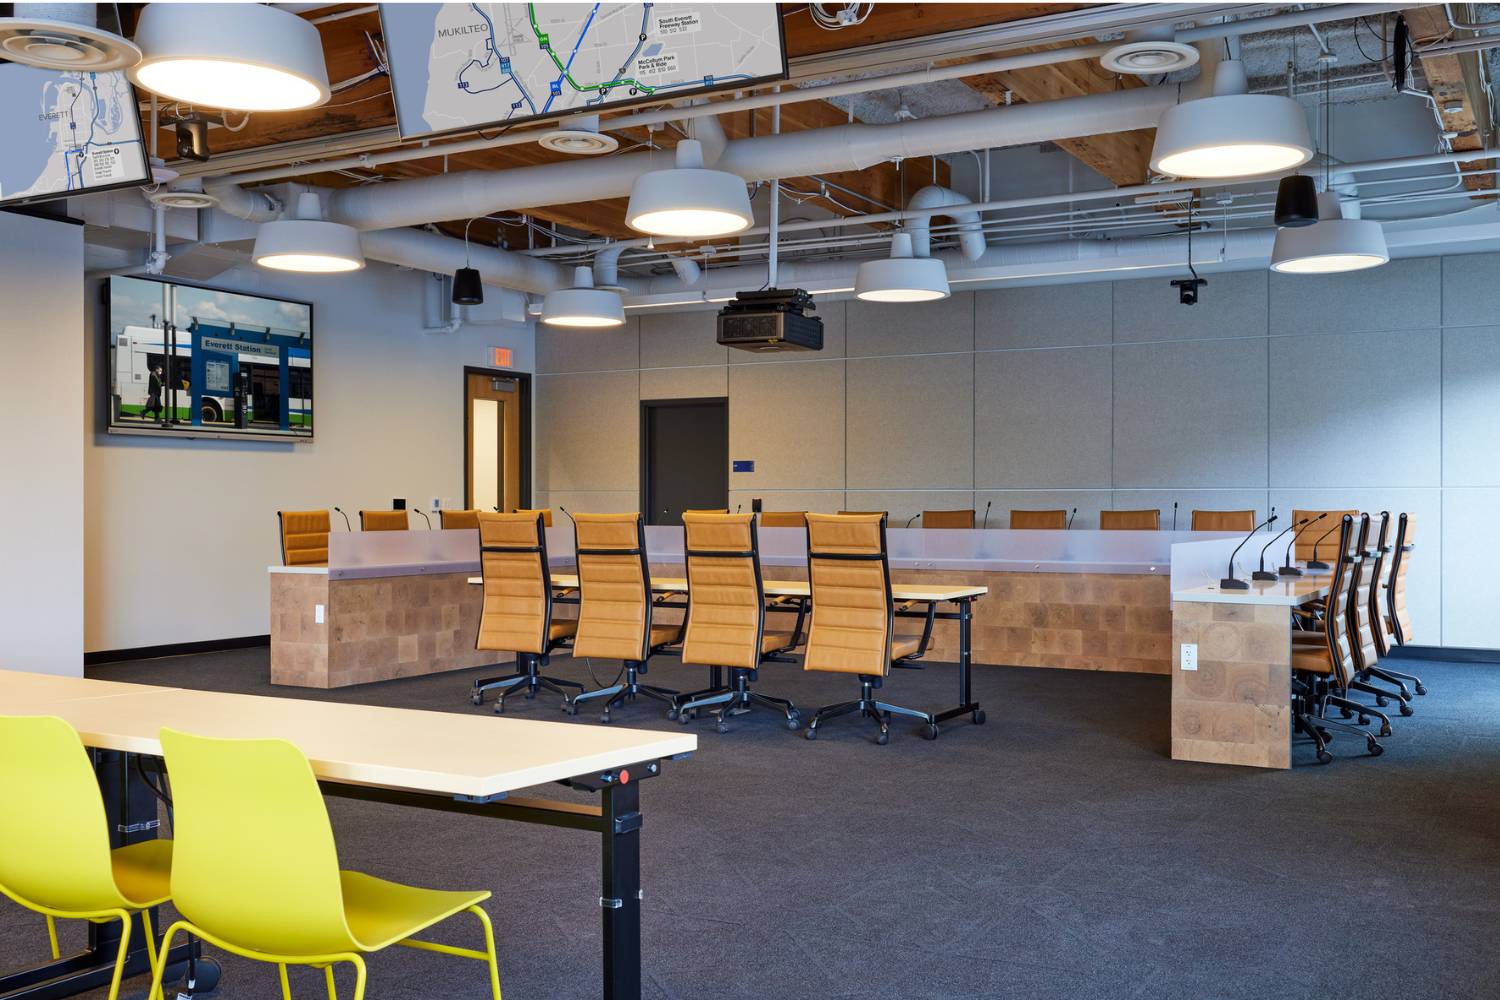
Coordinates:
[562,628]
[905,646]
[380,913]
[143,872]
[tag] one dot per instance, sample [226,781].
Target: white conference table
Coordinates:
[434,760]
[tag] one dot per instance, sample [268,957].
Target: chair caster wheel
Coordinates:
[682,718]
[1375,748]
[1346,713]
[1324,756]
[883,738]
[1381,701]
[930,731]
[571,709]
[499,708]
[530,695]
[477,698]
[604,718]
[723,726]
[978,716]
[1385,729]
[1406,709]
[811,733]
[792,722]
[1421,689]
[1364,720]
[671,713]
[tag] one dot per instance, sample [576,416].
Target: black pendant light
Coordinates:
[1296,201]
[468,290]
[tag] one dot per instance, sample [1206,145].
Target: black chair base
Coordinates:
[527,681]
[736,699]
[618,694]
[1311,699]
[879,711]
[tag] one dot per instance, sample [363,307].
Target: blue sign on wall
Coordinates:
[744,465]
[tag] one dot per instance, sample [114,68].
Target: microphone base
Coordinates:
[1290,571]
[1318,564]
[1262,574]
[1230,583]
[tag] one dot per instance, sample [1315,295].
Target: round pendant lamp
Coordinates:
[1334,245]
[239,56]
[688,199]
[583,306]
[901,277]
[1296,201]
[1232,133]
[307,243]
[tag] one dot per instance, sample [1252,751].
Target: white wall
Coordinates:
[180,532]
[41,455]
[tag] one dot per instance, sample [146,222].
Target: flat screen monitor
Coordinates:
[186,360]
[64,134]
[462,66]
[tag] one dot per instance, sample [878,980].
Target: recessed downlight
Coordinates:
[56,44]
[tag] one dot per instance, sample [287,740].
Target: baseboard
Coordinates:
[174,649]
[1451,654]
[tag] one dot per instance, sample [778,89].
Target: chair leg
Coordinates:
[52,938]
[114,982]
[1397,675]
[155,992]
[286,987]
[359,976]
[1365,711]
[328,977]
[151,955]
[489,949]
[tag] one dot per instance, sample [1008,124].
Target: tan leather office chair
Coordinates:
[304,537]
[948,518]
[517,614]
[1049,519]
[458,520]
[1242,521]
[1382,551]
[853,616]
[1322,672]
[783,519]
[382,520]
[726,618]
[864,513]
[1307,547]
[1130,520]
[614,610]
[546,513]
[1396,607]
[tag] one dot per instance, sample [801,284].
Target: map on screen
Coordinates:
[459,66]
[65,133]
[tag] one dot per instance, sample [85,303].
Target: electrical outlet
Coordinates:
[317,614]
[1190,656]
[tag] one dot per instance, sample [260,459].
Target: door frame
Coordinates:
[647,405]
[523,381]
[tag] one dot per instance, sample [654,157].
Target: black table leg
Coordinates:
[621,902]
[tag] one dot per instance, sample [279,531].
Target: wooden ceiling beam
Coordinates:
[1454,82]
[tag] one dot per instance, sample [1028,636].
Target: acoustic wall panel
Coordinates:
[1471,289]
[1470,389]
[911,422]
[789,421]
[670,340]
[877,328]
[1402,295]
[1232,305]
[685,383]
[564,350]
[1042,316]
[588,432]
[1042,418]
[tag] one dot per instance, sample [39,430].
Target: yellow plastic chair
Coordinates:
[256,871]
[55,857]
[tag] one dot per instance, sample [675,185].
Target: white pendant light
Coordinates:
[901,277]
[689,200]
[583,305]
[1331,245]
[307,243]
[1232,133]
[240,56]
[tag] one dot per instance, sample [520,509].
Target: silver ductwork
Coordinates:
[970,231]
[425,251]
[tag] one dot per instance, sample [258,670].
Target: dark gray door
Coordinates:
[685,457]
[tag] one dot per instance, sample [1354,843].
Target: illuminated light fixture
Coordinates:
[1335,244]
[1232,133]
[1296,201]
[307,243]
[688,199]
[583,305]
[901,277]
[239,56]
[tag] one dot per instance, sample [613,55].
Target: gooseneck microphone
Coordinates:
[565,511]
[1263,573]
[911,519]
[1070,519]
[987,513]
[346,518]
[1287,569]
[1229,582]
[419,510]
[1315,562]
[1174,515]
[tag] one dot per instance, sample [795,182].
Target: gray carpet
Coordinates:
[1055,852]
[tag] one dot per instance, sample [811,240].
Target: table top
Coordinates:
[1291,593]
[448,753]
[794,588]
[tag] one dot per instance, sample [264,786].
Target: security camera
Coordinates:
[1187,290]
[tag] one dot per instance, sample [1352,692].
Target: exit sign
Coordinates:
[501,357]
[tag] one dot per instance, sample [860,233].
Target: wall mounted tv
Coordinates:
[191,361]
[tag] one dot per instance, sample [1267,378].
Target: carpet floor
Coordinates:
[1055,853]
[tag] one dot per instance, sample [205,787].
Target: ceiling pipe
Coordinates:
[607,266]
[687,270]
[424,251]
[956,207]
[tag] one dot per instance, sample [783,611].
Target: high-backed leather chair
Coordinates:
[1381,550]
[546,513]
[1322,672]
[1361,629]
[304,537]
[1326,528]
[1242,521]
[853,616]
[948,518]
[457,520]
[864,513]
[383,520]
[1050,519]
[1395,594]
[1130,520]
[614,610]
[783,519]
[726,618]
[517,614]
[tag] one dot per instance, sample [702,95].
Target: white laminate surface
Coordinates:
[438,752]
[1291,593]
[794,588]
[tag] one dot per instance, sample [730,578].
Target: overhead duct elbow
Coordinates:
[970,231]
[710,135]
[252,206]
[688,271]
[607,267]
